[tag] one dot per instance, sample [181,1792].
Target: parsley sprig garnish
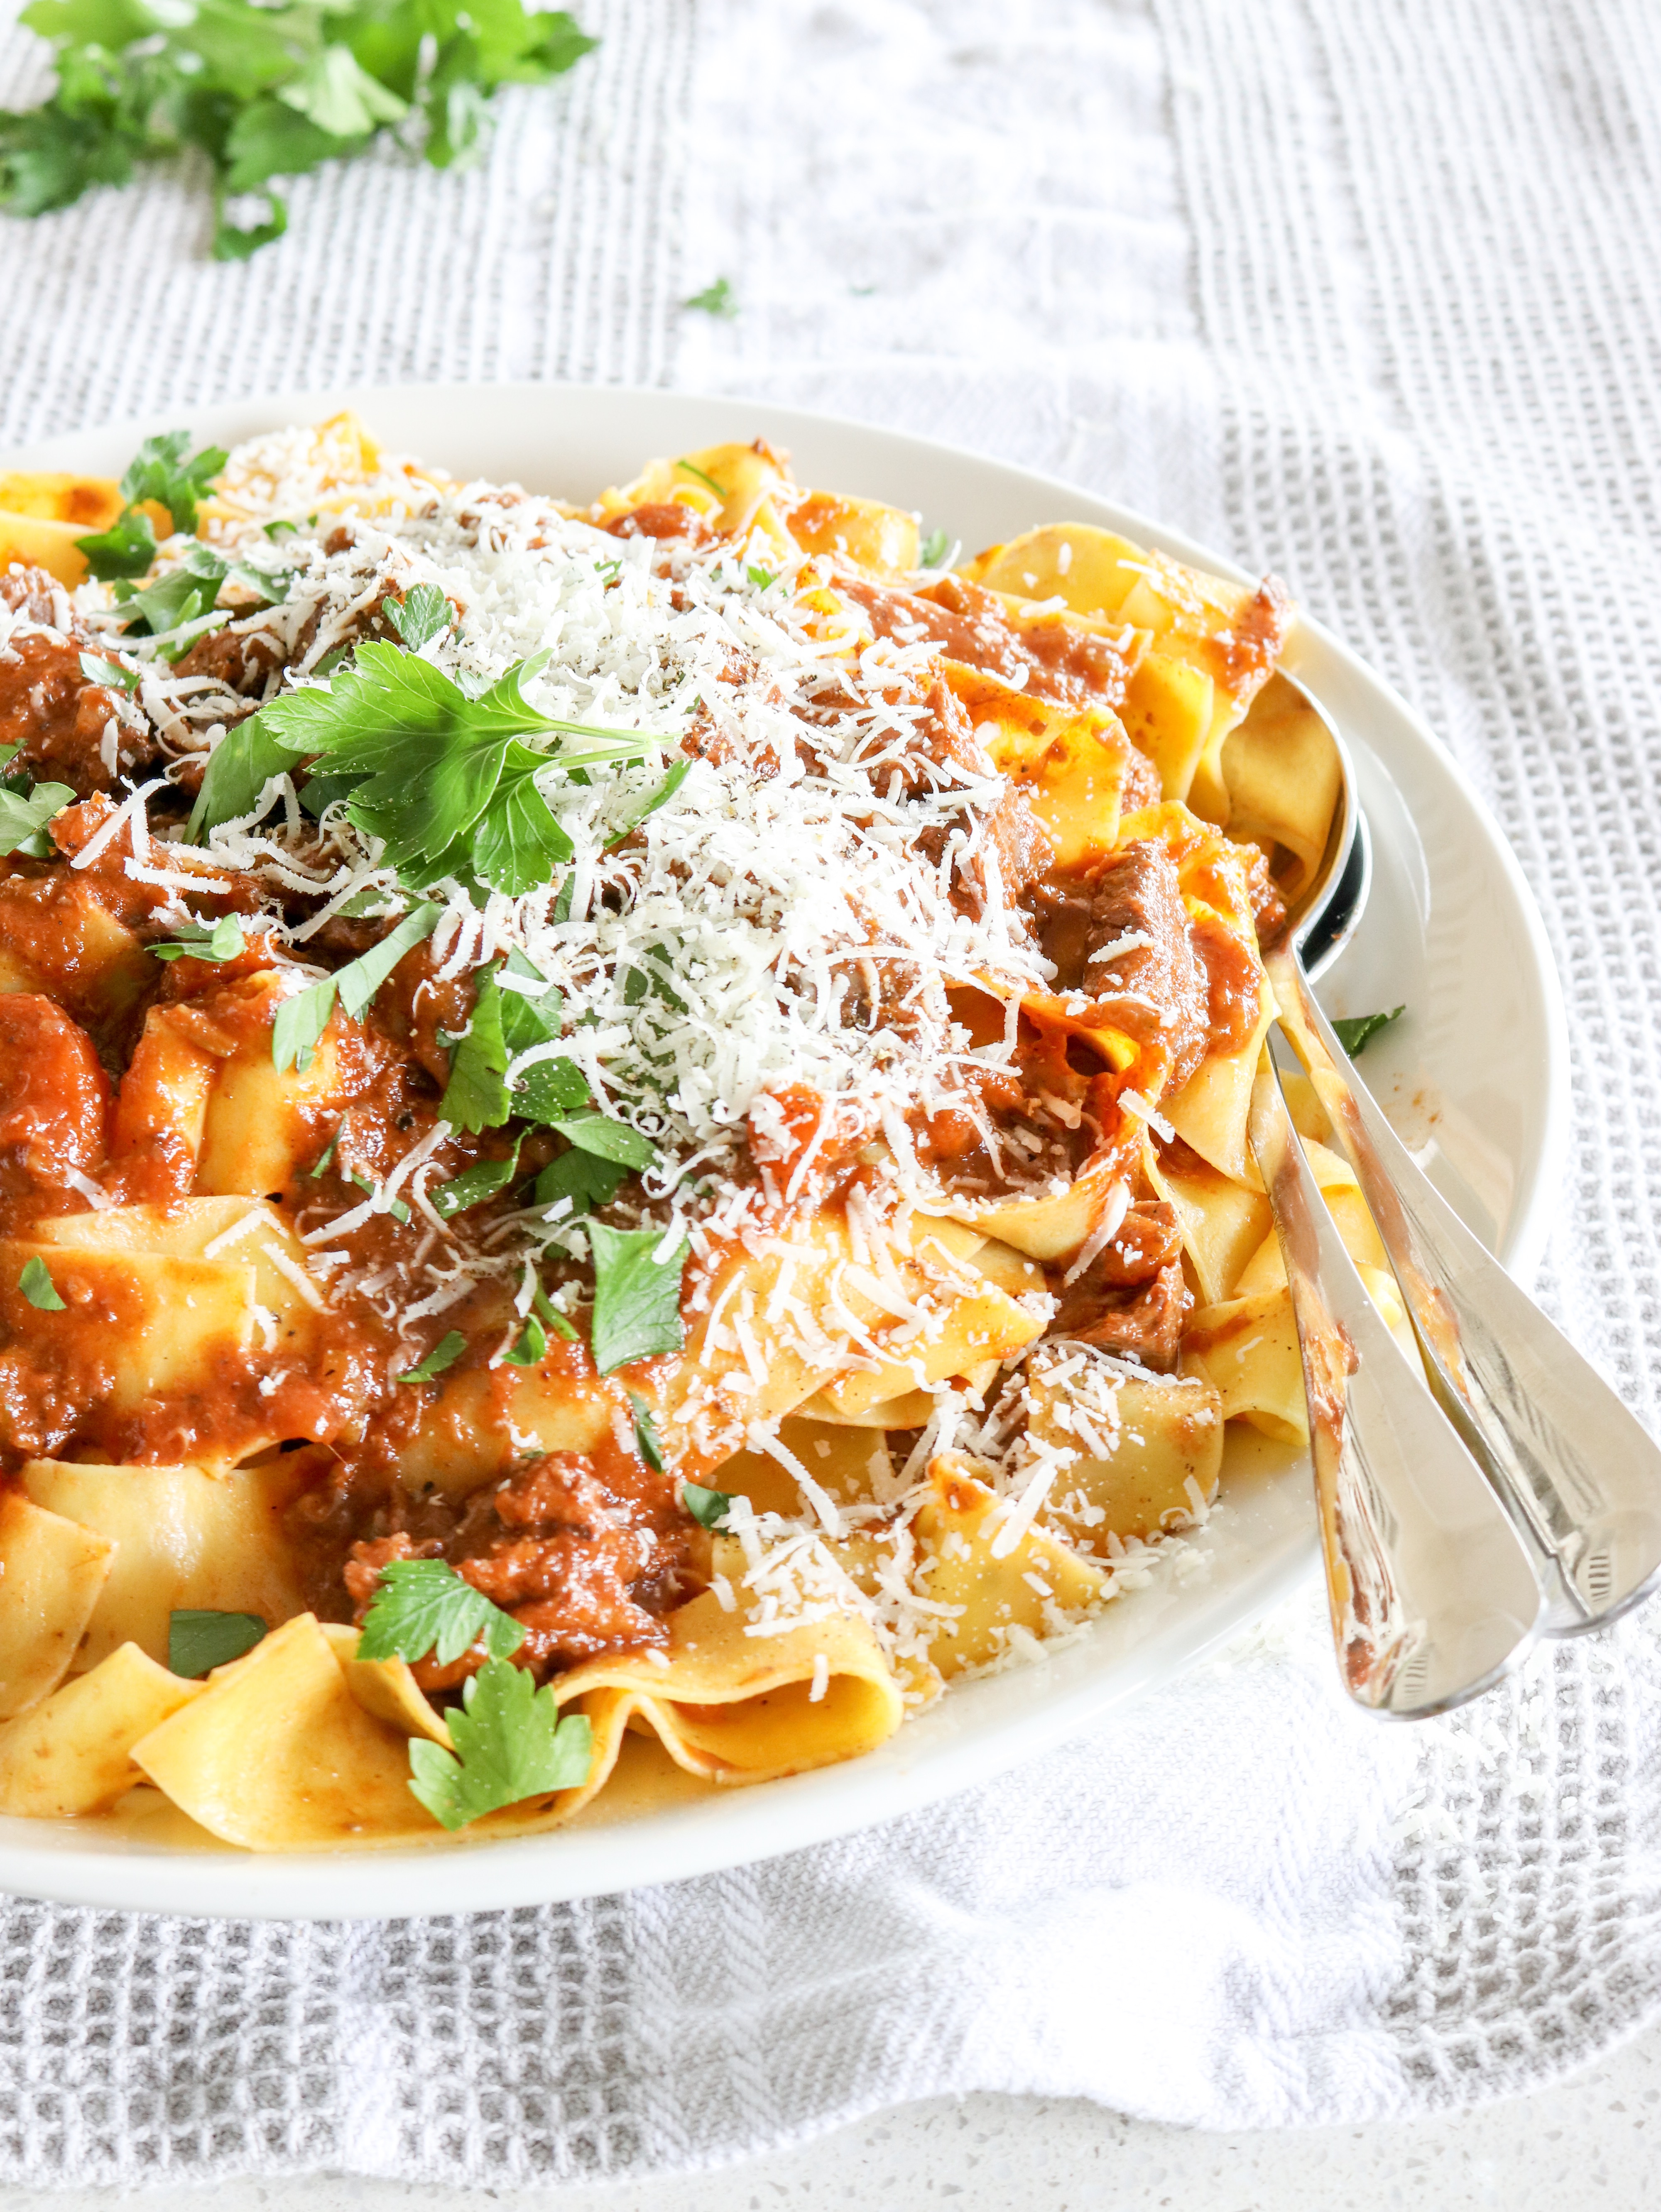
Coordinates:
[159,473]
[264,92]
[218,940]
[423,1606]
[510,1744]
[441,777]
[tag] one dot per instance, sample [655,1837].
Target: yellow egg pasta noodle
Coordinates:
[73,1754]
[51,1573]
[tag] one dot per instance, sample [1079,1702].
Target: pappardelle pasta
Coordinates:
[623,1129]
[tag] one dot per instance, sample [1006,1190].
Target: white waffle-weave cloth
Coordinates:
[1362,290]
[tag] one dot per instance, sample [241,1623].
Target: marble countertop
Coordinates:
[1587,2143]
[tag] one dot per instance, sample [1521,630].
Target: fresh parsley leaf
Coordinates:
[431,758]
[317,794]
[358,982]
[718,299]
[445,1353]
[763,579]
[583,1177]
[395,1206]
[270,139]
[528,1018]
[474,1185]
[235,241]
[664,792]
[198,1640]
[424,612]
[159,472]
[301,1020]
[935,547]
[38,1287]
[325,1158]
[520,842]
[477,1095]
[334,92]
[608,1138]
[530,1346]
[220,940]
[299,1026]
[126,548]
[701,478]
[636,1295]
[550,1314]
[648,1443]
[510,1744]
[708,1507]
[1357,1031]
[24,817]
[549,1090]
[424,1605]
[110,673]
[184,595]
[246,759]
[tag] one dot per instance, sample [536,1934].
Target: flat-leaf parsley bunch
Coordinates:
[264,92]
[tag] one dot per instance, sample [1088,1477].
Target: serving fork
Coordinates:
[1494,1488]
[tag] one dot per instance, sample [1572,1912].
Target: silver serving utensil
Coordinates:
[1579,1476]
[1431,1596]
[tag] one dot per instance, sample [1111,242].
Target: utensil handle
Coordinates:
[1579,1474]
[1432,1595]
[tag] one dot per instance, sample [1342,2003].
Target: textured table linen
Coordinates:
[1364,289]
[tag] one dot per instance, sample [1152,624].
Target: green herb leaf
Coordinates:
[528,1018]
[709,1507]
[474,1185]
[395,1206]
[24,817]
[158,470]
[609,1140]
[718,299]
[666,790]
[423,1606]
[269,139]
[763,579]
[127,548]
[583,1177]
[477,1095]
[935,547]
[358,982]
[550,1090]
[1357,1031]
[326,1156]
[512,1745]
[235,241]
[110,673]
[701,478]
[647,1440]
[38,1287]
[246,759]
[424,612]
[550,1314]
[445,1353]
[518,843]
[198,1641]
[529,1346]
[220,940]
[339,96]
[636,1295]
[185,594]
[299,1026]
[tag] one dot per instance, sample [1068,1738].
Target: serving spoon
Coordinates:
[1428,1604]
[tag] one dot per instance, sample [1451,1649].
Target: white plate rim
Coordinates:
[81,1868]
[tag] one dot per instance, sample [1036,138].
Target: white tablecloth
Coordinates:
[1364,289]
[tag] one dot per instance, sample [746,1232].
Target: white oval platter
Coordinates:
[1476,1076]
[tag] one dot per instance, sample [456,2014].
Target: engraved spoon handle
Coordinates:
[1579,1475]
[1431,1596]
